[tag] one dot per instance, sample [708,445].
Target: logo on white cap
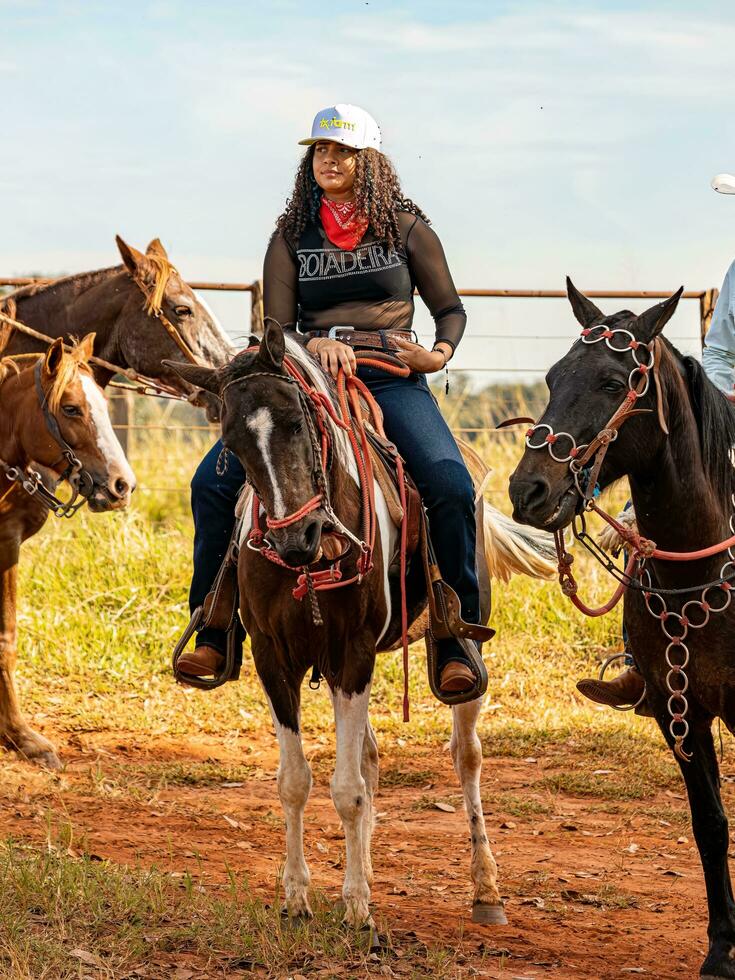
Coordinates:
[346,124]
[724,183]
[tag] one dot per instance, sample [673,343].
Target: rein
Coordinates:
[346,415]
[142,385]
[30,480]
[641,549]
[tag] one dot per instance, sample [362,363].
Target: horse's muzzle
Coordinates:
[299,544]
[537,503]
[113,495]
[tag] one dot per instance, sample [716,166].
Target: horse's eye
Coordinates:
[613,385]
[71,411]
[297,427]
[182,311]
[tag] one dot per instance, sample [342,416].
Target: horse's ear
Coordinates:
[650,324]
[156,248]
[273,345]
[54,357]
[86,347]
[134,260]
[197,375]
[584,309]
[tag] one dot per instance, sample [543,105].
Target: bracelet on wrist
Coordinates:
[440,350]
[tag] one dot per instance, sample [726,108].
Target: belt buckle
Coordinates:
[335,331]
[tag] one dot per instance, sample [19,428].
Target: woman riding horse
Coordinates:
[339,275]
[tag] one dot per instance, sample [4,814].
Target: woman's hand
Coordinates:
[419,359]
[333,355]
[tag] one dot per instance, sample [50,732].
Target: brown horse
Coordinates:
[270,427]
[53,414]
[116,304]
[675,448]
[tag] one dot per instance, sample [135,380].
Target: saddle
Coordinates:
[220,608]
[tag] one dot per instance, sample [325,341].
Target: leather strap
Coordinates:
[375,340]
[218,611]
[445,621]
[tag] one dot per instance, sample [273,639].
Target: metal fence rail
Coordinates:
[137,420]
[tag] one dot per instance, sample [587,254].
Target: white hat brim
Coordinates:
[327,139]
[724,184]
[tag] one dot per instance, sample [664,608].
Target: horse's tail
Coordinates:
[510,548]
[514,549]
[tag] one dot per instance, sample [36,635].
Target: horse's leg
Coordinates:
[467,757]
[709,824]
[370,770]
[294,774]
[14,730]
[350,796]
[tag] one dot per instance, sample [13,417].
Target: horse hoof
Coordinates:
[37,750]
[489,915]
[376,943]
[297,915]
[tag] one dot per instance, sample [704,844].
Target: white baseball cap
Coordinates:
[724,183]
[346,124]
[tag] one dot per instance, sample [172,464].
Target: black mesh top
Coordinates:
[316,285]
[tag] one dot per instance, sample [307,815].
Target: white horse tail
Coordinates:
[515,549]
[510,548]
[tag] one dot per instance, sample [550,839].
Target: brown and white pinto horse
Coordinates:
[52,414]
[266,423]
[120,305]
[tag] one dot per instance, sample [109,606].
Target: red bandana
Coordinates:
[342,225]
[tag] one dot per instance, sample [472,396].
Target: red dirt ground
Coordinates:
[596,889]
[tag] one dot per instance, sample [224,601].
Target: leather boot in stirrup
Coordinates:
[625,689]
[456,677]
[205,661]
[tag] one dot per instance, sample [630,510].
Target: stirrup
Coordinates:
[233,655]
[601,677]
[477,666]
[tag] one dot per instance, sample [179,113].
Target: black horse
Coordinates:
[674,447]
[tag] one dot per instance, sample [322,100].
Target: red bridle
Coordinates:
[319,410]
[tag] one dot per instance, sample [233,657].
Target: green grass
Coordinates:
[103,600]
[63,917]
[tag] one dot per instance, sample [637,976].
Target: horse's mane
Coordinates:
[162,268]
[72,362]
[315,376]
[715,419]
[319,379]
[44,285]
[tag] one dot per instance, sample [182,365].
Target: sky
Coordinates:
[542,140]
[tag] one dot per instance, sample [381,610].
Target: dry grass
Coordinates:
[103,600]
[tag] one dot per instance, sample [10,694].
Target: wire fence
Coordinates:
[162,429]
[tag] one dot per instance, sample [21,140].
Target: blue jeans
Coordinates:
[414,423]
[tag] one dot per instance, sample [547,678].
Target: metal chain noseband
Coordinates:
[677,654]
[638,384]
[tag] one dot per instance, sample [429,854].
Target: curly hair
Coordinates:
[378,196]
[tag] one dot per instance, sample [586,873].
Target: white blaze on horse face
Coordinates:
[107,441]
[261,423]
